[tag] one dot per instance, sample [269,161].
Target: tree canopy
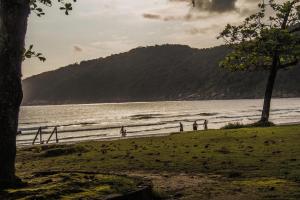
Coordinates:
[262,36]
[35,7]
[65,5]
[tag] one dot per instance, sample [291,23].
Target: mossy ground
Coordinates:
[75,185]
[250,163]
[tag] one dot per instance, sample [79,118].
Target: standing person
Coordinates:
[123,131]
[180,127]
[195,126]
[205,125]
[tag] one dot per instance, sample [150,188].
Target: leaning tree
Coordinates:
[13,26]
[265,41]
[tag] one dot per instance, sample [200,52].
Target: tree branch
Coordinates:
[295,28]
[294,62]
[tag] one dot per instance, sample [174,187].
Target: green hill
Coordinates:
[167,72]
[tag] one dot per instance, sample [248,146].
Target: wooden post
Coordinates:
[56,134]
[36,135]
[41,137]
[54,131]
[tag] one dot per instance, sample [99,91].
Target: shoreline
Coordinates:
[154,101]
[120,138]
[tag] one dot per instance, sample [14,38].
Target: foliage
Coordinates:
[35,7]
[237,125]
[30,53]
[263,37]
[65,5]
[234,125]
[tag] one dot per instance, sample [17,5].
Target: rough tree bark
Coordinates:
[272,76]
[13,27]
[268,96]
[264,121]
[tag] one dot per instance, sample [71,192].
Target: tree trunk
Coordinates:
[13,26]
[268,94]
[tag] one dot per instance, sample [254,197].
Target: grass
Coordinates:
[237,125]
[61,185]
[250,163]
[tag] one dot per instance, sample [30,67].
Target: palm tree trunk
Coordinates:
[13,27]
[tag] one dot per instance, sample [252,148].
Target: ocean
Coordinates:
[103,121]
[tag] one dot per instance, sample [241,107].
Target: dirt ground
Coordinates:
[185,186]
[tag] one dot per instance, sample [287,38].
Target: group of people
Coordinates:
[195,126]
[123,131]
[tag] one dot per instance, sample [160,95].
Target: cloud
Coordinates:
[219,6]
[77,48]
[215,5]
[151,16]
[202,9]
[204,30]
[210,5]
[186,17]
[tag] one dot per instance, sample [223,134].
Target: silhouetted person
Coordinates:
[205,125]
[180,127]
[195,126]
[123,131]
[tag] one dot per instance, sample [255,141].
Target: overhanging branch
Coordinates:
[294,62]
[295,28]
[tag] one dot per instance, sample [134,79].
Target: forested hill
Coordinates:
[167,72]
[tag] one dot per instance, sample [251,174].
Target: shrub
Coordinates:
[236,125]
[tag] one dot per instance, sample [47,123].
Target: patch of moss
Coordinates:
[62,185]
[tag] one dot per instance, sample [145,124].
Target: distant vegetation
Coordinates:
[167,72]
[236,125]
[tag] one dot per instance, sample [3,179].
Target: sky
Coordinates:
[99,28]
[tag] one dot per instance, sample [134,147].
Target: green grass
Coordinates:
[264,162]
[62,185]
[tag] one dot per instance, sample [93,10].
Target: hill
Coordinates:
[167,72]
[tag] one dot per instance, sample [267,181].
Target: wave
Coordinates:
[154,129]
[236,116]
[161,116]
[145,116]
[29,123]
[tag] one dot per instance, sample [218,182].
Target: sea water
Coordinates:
[103,121]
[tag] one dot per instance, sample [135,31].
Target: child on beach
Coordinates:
[123,131]
[205,125]
[195,126]
[180,127]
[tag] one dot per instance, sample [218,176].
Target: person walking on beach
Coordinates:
[205,125]
[123,131]
[180,127]
[195,126]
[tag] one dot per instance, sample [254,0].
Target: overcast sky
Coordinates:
[99,28]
